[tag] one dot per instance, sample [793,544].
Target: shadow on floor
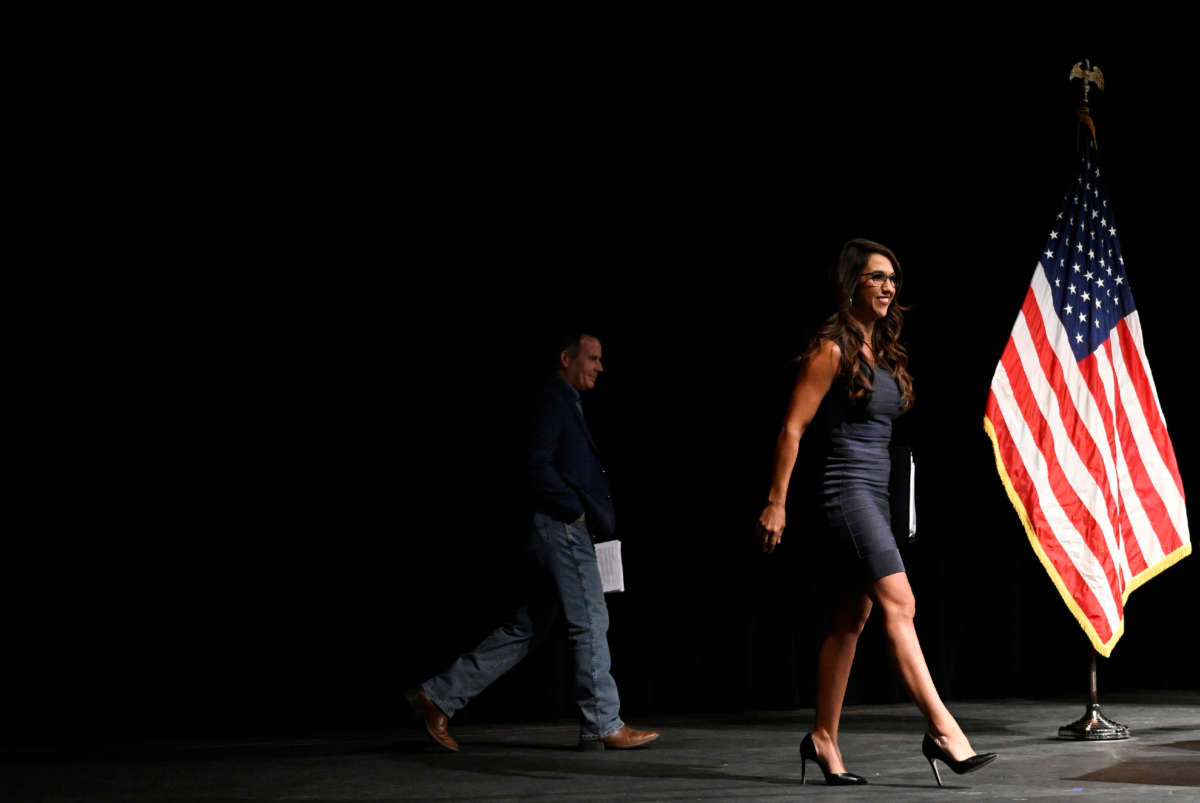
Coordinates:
[225,751]
[1185,745]
[1156,771]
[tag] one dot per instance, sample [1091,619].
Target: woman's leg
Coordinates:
[833,671]
[895,599]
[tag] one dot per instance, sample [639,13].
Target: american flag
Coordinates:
[1080,439]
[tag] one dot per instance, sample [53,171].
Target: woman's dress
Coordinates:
[857,466]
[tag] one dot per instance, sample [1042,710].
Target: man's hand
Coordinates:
[770,526]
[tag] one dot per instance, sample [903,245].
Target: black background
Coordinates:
[275,472]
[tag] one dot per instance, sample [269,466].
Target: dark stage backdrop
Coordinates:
[290,484]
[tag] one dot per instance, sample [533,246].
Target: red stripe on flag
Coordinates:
[1075,509]
[1141,382]
[1091,368]
[1079,514]
[1133,550]
[1143,485]
[1146,490]
[1068,576]
[1078,432]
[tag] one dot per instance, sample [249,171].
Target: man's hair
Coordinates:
[569,340]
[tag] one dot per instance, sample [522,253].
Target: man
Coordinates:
[570,497]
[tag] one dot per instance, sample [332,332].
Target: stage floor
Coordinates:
[749,756]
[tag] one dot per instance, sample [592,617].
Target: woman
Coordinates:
[858,367]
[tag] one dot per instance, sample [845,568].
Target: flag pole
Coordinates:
[1089,75]
[1093,725]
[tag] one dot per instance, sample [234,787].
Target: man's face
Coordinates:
[581,370]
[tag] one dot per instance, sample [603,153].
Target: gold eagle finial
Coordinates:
[1089,75]
[1084,71]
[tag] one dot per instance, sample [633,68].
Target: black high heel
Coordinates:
[933,750]
[808,751]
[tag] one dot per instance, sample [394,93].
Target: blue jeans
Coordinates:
[568,582]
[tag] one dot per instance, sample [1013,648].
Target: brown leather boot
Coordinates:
[435,720]
[625,738]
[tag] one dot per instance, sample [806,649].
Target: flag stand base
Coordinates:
[1093,726]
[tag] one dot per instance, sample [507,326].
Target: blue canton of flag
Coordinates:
[1083,263]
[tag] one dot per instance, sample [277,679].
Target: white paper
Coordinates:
[912,497]
[608,556]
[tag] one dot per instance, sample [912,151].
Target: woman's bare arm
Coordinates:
[815,379]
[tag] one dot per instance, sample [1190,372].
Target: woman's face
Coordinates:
[876,287]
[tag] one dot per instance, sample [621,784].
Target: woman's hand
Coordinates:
[816,378]
[770,526]
[814,381]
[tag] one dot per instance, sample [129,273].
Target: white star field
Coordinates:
[1089,255]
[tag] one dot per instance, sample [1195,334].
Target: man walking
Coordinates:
[570,497]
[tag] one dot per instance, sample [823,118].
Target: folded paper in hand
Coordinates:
[608,557]
[912,500]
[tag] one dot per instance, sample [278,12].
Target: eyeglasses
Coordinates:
[878,277]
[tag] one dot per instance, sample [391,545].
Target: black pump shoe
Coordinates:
[808,751]
[933,750]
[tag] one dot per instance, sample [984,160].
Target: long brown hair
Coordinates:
[840,328]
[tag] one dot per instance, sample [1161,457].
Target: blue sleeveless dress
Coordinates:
[856,469]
